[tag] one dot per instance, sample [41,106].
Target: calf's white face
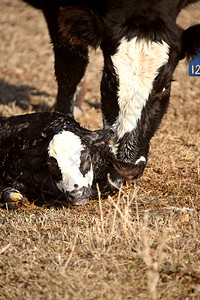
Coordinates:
[66,148]
[136,64]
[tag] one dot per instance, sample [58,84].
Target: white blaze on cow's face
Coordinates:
[66,148]
[137,63]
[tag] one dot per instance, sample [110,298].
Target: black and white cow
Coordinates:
[141,44]
[50,155]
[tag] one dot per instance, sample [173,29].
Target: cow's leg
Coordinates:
[70,61]
[70,65]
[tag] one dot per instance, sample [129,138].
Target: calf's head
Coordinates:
[78,161]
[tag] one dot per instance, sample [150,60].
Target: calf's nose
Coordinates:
[79,196]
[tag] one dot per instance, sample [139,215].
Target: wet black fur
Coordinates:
[24,161]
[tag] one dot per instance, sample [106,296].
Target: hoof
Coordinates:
[12,198]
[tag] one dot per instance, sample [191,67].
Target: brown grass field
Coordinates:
[143,243]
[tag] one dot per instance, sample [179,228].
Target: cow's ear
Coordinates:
[190,42]
[81,26]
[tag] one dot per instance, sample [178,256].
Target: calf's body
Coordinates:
[49,155]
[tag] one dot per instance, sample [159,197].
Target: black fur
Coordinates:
[35,3]
[76,25]
[26,165]
[190,42]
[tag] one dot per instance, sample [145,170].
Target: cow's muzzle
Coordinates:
[133,173]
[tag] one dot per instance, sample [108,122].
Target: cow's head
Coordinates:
[139,61]
[142,47]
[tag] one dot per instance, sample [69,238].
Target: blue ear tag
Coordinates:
[194,66]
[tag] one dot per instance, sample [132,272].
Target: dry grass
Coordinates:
[89,253]
[143,243]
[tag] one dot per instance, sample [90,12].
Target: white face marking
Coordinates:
[66,148]
[137,63]
[142,158]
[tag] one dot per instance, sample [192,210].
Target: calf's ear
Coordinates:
[191,42]
[80,26]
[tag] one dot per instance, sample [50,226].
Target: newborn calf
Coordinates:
[48,155]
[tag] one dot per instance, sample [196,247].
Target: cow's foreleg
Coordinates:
[70,65]
[71,59]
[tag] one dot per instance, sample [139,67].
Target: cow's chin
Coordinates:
[130,173]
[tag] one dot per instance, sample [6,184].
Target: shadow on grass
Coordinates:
[96,105]
[21,95]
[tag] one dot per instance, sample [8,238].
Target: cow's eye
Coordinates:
[167,87]
[165,91]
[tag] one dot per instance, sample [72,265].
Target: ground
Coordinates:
[143,243]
